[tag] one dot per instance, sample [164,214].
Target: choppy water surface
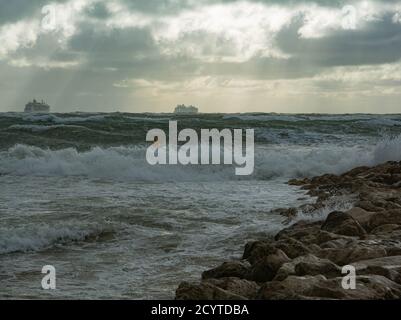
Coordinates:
[77,193]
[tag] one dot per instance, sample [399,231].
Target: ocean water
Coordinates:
[76,193]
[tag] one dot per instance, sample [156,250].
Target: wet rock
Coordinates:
[288,268]
[293,248]
[368,206]
[343,223]
[393,250]
[385,229]
[324,238]
[286,212]
[240,287]
[293,287]
[302,231]
[361,215]
[356,171]
[391,274]
[296,182]
[265,269]
[322,266]
[374,287]
[318,287]
[338,243]
[385,217]
[258,250]
[238,269]
[304,260]
[308,265]
[347,255]
[389,267]
[388,262]
[204,291]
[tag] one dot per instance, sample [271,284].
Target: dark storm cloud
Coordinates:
[122,43]
[13,10]
[109,54]
[133,51]
[264,68]
[170,6]
[47,46]
[130,51]
[379,42]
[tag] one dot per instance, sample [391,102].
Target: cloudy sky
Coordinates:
[223,56]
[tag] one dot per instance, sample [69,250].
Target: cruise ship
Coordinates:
[182,108]
[36,106]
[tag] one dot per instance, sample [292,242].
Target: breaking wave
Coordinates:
[311,161]
[130,163]
[43,236]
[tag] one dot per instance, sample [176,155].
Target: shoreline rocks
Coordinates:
[305,259]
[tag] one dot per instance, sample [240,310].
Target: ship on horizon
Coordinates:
[183,109]
[35,106]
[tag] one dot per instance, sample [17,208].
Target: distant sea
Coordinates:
[77,193]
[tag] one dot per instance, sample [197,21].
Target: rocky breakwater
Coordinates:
[305,260]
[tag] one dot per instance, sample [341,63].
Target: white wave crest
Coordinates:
[130,163]
[42,236]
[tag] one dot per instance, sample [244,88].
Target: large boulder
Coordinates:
[385,217]
[368,205]
[265,269]
[338,243]
[325,238]
[258,250]
[204,291]
[343,223]
[293,287]
[307,265]
[385,229]
[389,267]
[288,268]
[241,287]
[303,231]
[322,266]
[239,269]
[393,262]
[348,255]
[361,215]
[293,248]
[318,287]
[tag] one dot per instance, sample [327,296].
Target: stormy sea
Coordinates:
[77,193]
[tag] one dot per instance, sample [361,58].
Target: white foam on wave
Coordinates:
[129,163]
[123,163]
[36,237]
[310,161]
[336,203]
